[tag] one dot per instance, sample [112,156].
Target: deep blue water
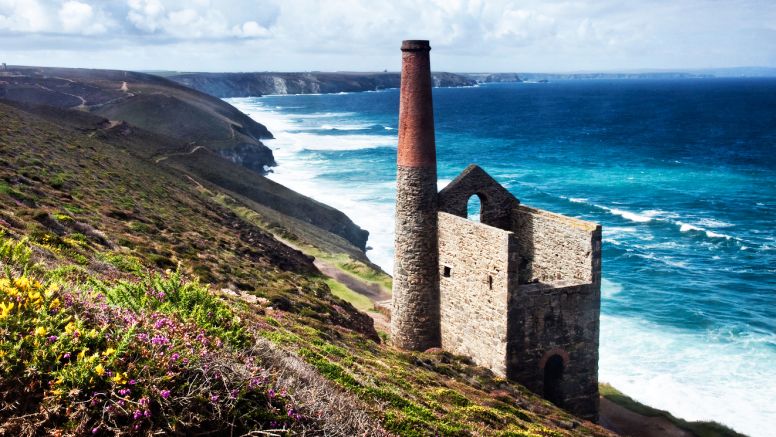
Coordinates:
[681,174]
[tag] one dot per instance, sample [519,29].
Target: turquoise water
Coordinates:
[679,173]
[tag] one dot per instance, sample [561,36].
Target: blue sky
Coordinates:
[363,35]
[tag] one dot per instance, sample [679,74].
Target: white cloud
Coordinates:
[77,17]
[24,16]
[494,35]
[251,29]
[146,15]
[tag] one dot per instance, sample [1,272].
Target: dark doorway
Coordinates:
[553,377]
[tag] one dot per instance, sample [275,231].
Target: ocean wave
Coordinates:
[741,371]
[629,215]
[346,127]
[661,259]
[609,288]
[686,227]
[323,115]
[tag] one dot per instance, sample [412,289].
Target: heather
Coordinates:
[155,353]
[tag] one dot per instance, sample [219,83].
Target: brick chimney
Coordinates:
[415,314]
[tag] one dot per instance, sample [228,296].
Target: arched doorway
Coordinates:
[553,378]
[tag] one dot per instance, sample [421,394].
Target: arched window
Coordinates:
[553,377]
[474,207]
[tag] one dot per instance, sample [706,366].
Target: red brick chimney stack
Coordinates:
[416,112]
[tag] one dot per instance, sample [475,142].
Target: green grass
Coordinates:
[700,429]
[361,302]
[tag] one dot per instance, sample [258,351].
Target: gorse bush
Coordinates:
[14,253]
[169,294]
[156,354]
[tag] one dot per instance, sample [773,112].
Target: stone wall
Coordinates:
[555,248]
[476,274]
[546,321]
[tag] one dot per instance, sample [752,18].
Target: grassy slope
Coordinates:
[700,429]
[95,214]
[150,102]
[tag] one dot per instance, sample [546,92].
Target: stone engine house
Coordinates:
[518,291]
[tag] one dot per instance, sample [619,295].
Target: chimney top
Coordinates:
[415,45]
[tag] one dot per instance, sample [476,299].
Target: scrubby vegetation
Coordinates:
[134,302]
[157,353]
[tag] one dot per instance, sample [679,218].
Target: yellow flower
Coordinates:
[5,309]
[5,287]
[81,354]
[40,331]
[99,370]
[22,283]
[70,328]
[108,352]
[120,378]
[57,392]
[54,303]
[93,333]
[51,290]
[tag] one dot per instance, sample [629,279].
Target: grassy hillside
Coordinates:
[137,298]
[150,102]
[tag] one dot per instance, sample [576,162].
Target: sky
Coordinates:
[365,35]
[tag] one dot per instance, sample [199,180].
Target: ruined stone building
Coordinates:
[518,291]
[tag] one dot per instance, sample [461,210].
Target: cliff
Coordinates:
[257,84]
[169,124]
[146,101]
[493,77]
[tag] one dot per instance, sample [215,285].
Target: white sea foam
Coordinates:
[632,216]
[609,289]
[441,183]
[714,223]
[685,227]
[696,376]
[301,173]
[577,199]
[356,126]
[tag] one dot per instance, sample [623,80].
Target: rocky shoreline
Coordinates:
[226,85]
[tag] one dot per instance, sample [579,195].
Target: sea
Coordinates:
[681,174]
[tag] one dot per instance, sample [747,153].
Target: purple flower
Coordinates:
[175,356]
[95,430]
[160,340]
[132,382]
[124,391]
[66,355]
[137,414]
[165,393]
[214,398]
[271,393]
[52,338]
[147,413]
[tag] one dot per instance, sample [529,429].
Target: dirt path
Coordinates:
[374,292]
[627,423]
[162,158]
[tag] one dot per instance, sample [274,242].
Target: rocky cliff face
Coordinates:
[258,84]
[494,77]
